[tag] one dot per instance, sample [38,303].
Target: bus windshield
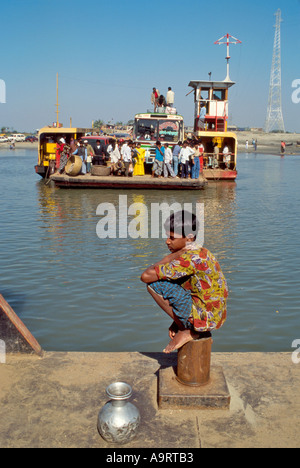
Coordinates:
[146,129]
[168,130]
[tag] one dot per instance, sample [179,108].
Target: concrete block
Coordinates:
[172,394]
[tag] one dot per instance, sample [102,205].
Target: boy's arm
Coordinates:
[150,275]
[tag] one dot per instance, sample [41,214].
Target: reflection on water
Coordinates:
[76,291]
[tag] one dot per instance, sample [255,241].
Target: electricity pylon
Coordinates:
[274,120]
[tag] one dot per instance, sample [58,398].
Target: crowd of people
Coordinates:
[126,158]
[187,159]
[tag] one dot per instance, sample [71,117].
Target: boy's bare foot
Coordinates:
[173,330]
[181,338]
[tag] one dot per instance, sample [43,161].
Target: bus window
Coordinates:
[146,129]
[168,131]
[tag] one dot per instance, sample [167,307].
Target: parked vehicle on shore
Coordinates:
[31,138]
[3,139]
[16,137]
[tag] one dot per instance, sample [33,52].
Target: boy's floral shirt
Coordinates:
[199,272]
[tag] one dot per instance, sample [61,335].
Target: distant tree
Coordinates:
[98,123]
[130,122]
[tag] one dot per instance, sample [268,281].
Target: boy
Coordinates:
[187,284]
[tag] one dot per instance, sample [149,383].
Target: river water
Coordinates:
[78,292]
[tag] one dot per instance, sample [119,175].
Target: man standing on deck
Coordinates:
[99,154]
[126,156]
[176,151]
[202,115]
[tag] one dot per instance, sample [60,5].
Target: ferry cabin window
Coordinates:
[146,129]
[204,96]
[168,131]
[219,95]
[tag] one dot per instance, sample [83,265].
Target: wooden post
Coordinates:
[193,362]
[14,333]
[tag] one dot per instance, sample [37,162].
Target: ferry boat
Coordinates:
[47,141]
[211,122]
[220,145]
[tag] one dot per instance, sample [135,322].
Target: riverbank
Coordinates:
[268,143]
[20,145]
[54,401]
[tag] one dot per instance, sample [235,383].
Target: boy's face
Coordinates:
[175,242]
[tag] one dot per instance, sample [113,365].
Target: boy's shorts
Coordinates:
[179,299]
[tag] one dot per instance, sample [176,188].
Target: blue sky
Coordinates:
[109,55]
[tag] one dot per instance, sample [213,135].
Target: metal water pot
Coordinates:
[119,419]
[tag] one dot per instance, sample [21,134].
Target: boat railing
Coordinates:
[216,160]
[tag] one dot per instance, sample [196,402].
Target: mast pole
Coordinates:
[233,40]
[57,105]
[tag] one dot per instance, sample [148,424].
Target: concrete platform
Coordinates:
[54,400]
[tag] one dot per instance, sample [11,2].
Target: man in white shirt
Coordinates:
[168,162]
[126,156]
[226,156]
[170,97]
[184,158]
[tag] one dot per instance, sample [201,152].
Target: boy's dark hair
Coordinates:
[182,223]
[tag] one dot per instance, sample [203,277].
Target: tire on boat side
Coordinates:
[100,171]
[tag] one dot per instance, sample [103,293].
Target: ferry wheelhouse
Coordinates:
[47,140]
[152,127]
[210,126]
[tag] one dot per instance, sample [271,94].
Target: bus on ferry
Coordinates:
[149,128]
